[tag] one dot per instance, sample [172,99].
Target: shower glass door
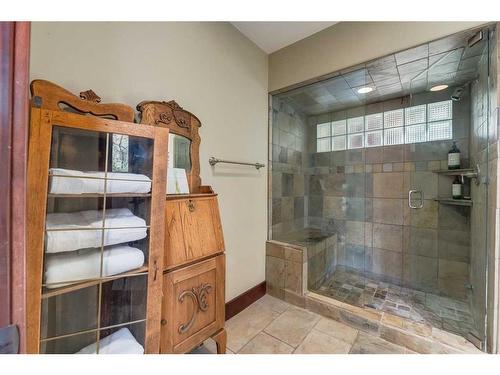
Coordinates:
[444,236]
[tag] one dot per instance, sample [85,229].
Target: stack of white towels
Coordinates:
[73,240]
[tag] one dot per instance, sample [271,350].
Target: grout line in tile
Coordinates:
[352,345]
[263,329]
[274,337]
[335,337]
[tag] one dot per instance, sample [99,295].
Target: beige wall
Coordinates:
[349,43]
[208,68]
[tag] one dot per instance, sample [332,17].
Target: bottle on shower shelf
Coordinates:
[454,157]
[457,188]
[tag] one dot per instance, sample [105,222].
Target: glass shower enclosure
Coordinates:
[360,178]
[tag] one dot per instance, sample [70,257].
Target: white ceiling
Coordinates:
[272,36]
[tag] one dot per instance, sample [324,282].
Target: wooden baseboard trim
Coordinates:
[238,304]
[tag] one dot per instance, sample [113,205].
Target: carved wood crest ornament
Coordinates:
[90,95]
[48,95]
[180,122]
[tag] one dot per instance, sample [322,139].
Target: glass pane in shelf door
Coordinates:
[140,156]
[77,149]
[123,301]
[125,339]
[68,345]
[69,313]
[139,207]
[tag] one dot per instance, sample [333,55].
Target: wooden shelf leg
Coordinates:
[220,339]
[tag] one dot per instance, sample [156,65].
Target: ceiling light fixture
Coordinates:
[365,90]
[439,87]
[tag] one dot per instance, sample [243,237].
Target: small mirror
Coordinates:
[179,152]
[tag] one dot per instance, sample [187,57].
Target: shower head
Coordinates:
[457,94]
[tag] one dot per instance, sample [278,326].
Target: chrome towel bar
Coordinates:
[212,161]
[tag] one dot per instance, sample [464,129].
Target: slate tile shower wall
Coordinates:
[288,203]
[361,195]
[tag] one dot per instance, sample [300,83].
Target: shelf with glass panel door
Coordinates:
[95,235]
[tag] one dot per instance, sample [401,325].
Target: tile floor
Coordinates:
[271,326]
[441,312]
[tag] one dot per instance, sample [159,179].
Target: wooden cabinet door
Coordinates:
[193,305]
[193,230]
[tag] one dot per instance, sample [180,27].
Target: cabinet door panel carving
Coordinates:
[198,297]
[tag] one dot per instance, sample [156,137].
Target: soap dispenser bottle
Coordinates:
[456,188]
[454,157]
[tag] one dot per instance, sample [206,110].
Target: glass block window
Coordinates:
[440,110]
[393,136]
[415,115]
[373,139]
[339,127]
[420,123]
[355,141]
[356,124]
[375,121]
[338,143]
[323,130]
[415,133]
[323,145]
[439,130]
[393,119]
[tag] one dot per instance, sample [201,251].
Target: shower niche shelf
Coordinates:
[455,202]
[466,172]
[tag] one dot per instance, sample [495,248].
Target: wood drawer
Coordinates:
[193,230]
[193,305]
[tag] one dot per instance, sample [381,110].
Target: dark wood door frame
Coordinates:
[14,124]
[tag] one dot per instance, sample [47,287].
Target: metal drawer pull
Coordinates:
[191,206]
[410,193]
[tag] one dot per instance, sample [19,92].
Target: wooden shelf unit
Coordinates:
[83,140]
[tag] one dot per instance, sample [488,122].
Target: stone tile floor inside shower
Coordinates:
[356,289]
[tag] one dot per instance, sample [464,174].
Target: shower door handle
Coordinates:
[410,195]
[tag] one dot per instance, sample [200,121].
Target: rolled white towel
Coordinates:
[91,236]
[119,342]
[68,181]
[86,264]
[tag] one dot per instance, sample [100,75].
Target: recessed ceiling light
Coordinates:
[439,87]
[364,90]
